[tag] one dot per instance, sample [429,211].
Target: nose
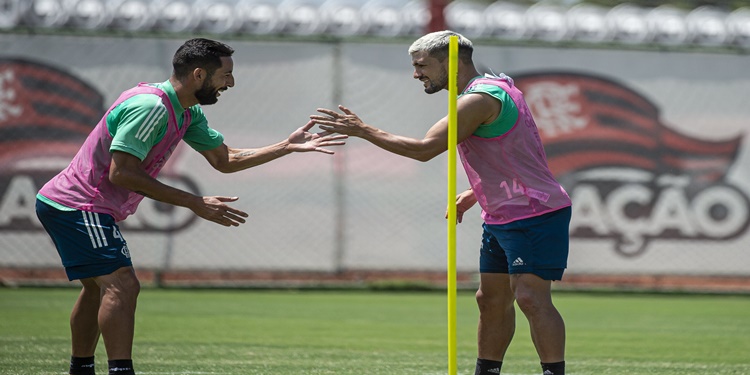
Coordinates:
[230,81]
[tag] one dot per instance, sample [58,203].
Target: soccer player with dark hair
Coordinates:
[526,211]
[117,167]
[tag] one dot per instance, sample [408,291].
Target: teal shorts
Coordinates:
[89,244]
[537,245]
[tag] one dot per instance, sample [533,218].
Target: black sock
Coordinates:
[82,366]
[121,367]
[557,368]
[487,367]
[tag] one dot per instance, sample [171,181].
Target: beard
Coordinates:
[206,95]
[437,85]
[434,87]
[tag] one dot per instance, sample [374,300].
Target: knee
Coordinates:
[126,294]
[127,287]
[483,300]
[530,303]
[128,281]
[492,303]
[132,286]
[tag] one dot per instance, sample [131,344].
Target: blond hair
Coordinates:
[436,45]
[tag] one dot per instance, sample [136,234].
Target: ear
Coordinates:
[199,74]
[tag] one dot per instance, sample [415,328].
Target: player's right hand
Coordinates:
[343,123]
[214,209]
[464,201]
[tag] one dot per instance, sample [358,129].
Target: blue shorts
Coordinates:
[537,245]
[89,244]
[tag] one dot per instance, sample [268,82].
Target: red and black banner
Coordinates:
[46,113]
[631,177]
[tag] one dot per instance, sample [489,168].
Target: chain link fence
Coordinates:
[651,146]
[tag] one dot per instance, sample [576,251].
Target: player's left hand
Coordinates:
[304,141]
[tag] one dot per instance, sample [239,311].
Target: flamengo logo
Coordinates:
[45,115]
[631,178]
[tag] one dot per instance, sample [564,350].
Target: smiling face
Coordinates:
[216,82]
[430,71]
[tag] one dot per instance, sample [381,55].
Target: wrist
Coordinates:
[285,147]
[191,201]
[367,132]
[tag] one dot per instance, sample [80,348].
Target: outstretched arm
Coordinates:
[125,171]
[473,110]
[227,159]
[347,122]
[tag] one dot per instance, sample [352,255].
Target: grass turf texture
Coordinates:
[388,333]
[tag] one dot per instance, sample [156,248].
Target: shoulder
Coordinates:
[143,103]
[496,91]
[478,108]
[197,116]
[489,94]
[476,100]
[138,109]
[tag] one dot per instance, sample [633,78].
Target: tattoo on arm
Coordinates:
[245,153]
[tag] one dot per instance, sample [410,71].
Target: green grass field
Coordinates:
[386,333]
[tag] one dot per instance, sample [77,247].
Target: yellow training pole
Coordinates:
[452,140]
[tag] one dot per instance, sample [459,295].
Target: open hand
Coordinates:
[304,141]
[214,209]
[343,123]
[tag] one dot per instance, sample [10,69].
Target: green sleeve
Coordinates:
[137,124]
[508,112]
[199,135]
